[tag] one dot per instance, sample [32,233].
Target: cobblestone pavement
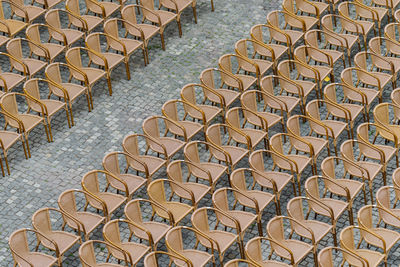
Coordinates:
[55,167]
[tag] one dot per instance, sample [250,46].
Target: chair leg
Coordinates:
[6,160]
[23,145]
[2,168]
[27,145]
[162,40]
[194,13]
[109,84]
[212,5]
[128,72]
[178,21]
[67,113]
[47,131]
[70,114]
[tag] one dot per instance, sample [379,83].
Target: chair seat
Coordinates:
[54,50]
[148,30]
[372,168]
[74,90]
[247,81]
[131,45]
[197,257]
[14,25]
[290,101]
[337,127]
[182,4]
[32,11]
[307,86]
[88,219]
[51,3]
[52,106]
[317,143]
[112,59]
[236,153]
[295,36]
[165,17]
[301,161]
[28,120]
[38,259]
[178,210]
[337,206]
[171,145]
[210,112]
[153,163]
[33,65]
[281,179]
[92,21]
[391,237]
[71,35]
[3,39]
[370,94]
[9,138]
[223,238]
[64,240]
[113,201]
[263,65]
[93,74]
[256,136]
[300,249]
[333,53]
[319,229]
[244,218]
[270,117]
[133,182]
[109,7]
[383,78]
[374,258]
[279,50]
[198,190]
[352,185]
[263,199]
[191,128]
[12,80]
[158,230]
[311,9]
[367,26]
[309,21]
[354,109]
[216,170]
[351,40]
[137,251]
[387,150]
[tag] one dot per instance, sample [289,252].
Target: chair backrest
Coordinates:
[14,48]
[327,257]
[111,28]
[9,104]
[87,253]
[41,221]
[151,128]
[151,259]
[111,234]
[73,58]
[174,240]
[129,13]
[241,263]
[92,41]
[18,243]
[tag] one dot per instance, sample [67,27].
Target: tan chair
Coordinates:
[165,145]
[84,73]
[84,221]
[225,152]
[292,70]
[315,8]
[87,254]
[176,170]
[386,48]
[294,250]
[257,115]
[8,25]
[391,31]
[220,199]
[97,197]
[313,186]
[395,96]
[348,237]
[242,262]
[332,168]
[62,241]
[143,228]
[112,235]
[365,220]
[8,79]
[264,177]
[47,107]
[151,259]
[196,95]
[290,18]
[254,252]
[296,210]
[171,210]
[103,9]
[24,122]
[232,64]
[396,16]
[196,152]
[340,38]
[112,162]
[222,240]
[336,93]
[327,257]
[86,22]
[27,12]
[390,5]
[69,36]
[247,48]
[396,182]
[179,6]
[236,118]
[7,140]
[70,91]
[18,243]
[30,66]
[53,50]
[176,245]
[126,46]
[311,39]
[332,128]
[229,95]
[239,179]
[275,86]
[294,162]
[386,114]
[130,145]
[159,17]
[371,11]
[106,60]
[387,197]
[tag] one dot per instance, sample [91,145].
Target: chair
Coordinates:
[395,96]
[387,198]
[8,25]
[97,197]
[27,12]
[241,262]
[106,60]
[47,107]
[239,180]
[69,36]
[103,9]
[30,66]
[18,243]
[111,164]
[61,241]
[313,187]
[136,212]
[176,244]
[196,95]
[390,5]
[236,118]
[220,199]
[84,221]
[70,91]
[386,114]
[294,162]
[296,210]
[24,122]
[225,152]
[195,152]
[332,168]
[86,22]
[391,30]
[8,79]
[165,145]
[130,145]
[290,18]
[7,140]
[294,250]
[86,74]
[53,50]
[87,254]
[327,257]
[159,17]
[229,95]
[269,85]
[348,237]
[222,240]
[176,170]
[254,252]
[151,259]
[386,48]
[264,177]
[315,8]
[233,64]
[126,46]
[112,235]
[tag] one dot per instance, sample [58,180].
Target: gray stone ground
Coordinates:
[58,166]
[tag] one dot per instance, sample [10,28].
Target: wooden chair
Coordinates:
[254,252]
[7,140]
[86,22]
[151,259]
[387,197]
[8,79]
[87,254]
[327,257]
[8,25]
[103,9]
[385,115]
[27,12]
